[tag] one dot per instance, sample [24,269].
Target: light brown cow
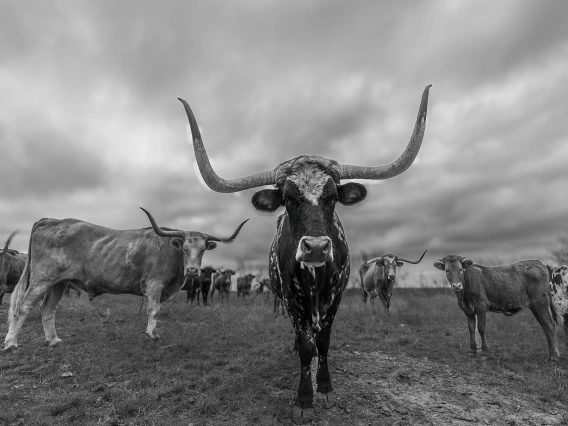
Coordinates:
[506,289]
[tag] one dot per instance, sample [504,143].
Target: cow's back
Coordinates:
[102,259]
[508,288]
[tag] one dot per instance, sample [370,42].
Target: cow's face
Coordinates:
[559,278]
[193,246]
[308,187]
[455,267]
[385,275]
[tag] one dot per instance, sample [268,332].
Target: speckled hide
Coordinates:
[559,293]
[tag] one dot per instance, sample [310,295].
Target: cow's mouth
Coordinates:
[304,264]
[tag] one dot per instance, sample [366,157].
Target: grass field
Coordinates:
[234,364]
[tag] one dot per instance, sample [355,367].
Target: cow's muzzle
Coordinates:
[314,251]
[192,272]
[457,286]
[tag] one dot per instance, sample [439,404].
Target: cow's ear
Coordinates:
[233,272]
[399,263]
[440,266]
[210,245]
[177,243]
[267,200]
[467,263]
[351,193]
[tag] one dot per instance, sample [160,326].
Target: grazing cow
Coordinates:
[378,276]
[309,257]
[222,283]
[506,289]
[145,262]
[244,285]
[12,265]
[559,292]
[202,283]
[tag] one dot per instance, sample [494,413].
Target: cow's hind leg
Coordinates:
[544,317]
[303,410]
[48,308]
[17,316]
[324,390]
[471,326]
[153,295]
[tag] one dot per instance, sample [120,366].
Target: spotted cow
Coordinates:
[559,292]
[146,262]
[309,257]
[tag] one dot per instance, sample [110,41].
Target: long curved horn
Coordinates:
[374,259]
[161,232]
[401,163]
[231,238]
[410,261]
[8,241]
[211,178]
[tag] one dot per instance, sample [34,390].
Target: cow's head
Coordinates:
[455,267]
[192,244]
[385,275]
[558,278]
[309,187]
[227,273]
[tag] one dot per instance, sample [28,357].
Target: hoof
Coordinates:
[302,416]
[554,359]
[53,343]
[10,347]
[327,399]
[153,336]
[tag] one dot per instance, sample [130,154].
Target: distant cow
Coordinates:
[222,283]
[506,289]
[12,265]
[202,283]
[144,262]
[378,276]
[559,291]
[263,286]
[244,285]
[190,286]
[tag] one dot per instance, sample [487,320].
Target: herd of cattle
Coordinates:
[309,263]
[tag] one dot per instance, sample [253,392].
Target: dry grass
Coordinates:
[234,364]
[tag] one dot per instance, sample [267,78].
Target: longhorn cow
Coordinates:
[506,289]
[146,262]
[11,267]
[378,276]
[309,257]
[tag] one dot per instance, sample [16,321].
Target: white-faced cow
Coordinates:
[309,258]
[11,267]
[222,283]
[146,262]
[244,285]
[505,289]
[378,276]
[559,292]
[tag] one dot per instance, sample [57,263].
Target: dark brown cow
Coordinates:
[309,258]
[244,285]
[12,265]
[378,276]
[145,262]
[505,289]
[222,283]
[202,283]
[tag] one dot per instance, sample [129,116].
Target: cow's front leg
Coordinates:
[153,295]
[481,317]
[323,379]
[471,326]
[303,410]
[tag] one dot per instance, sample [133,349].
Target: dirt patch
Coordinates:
[376,388]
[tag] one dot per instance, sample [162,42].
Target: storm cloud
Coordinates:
[91,128]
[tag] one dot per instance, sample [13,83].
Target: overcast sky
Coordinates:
[91,128]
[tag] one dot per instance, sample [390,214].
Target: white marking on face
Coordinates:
[389,259]
[310,182]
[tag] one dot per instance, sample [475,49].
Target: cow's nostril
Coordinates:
[306,246]
[325,245]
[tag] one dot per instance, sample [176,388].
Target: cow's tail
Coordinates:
[24,281]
